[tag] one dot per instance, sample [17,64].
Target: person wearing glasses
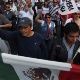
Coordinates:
[10,15]
[4,22]
[47,29]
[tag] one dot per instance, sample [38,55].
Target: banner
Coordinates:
[68,7]
[38,69]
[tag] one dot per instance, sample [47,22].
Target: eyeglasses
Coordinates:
[7,6]
[78,16]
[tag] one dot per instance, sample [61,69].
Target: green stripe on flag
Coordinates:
[7,72]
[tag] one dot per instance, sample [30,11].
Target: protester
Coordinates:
[28,43]
[4,22]
[54,6]
[45,8]
[66,48]
[47,29]
[27,11]
[10,15]
[53,9]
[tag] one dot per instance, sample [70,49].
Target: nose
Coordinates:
[75,39]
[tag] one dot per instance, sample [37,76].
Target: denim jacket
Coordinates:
[47,32]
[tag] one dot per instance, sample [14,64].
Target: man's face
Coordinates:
[48,19]
[29,3]
[7,7]
[72,37]
[56,1]
[25,31]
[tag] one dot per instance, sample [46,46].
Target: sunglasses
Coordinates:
[7,7]
[78,16]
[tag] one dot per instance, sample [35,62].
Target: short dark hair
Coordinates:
[47,14]
[70,28]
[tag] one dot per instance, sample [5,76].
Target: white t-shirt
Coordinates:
[45,10]
[28,14]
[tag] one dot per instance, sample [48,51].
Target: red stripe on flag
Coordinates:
[75,68]
[73,74]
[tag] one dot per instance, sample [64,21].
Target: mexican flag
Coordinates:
[14,67]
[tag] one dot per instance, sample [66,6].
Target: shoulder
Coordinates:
[53,24]
[77,43]
[2,16]
[38,36]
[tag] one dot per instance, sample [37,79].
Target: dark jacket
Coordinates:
[33,46]
[11,17]
[59,51]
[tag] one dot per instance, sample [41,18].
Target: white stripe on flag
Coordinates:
[20,60]
[26,68]
[68,7]
[38,69]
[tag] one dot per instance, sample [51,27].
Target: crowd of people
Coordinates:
[39,31]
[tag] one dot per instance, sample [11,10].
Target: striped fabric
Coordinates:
[53,10]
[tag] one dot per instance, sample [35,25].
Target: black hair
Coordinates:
[70,28]
[47,14]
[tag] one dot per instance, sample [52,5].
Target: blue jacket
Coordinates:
[44,30]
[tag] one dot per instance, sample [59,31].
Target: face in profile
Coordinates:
[72,37]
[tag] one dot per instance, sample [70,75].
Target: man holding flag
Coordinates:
[65,49]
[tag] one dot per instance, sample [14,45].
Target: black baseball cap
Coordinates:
[24,22]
